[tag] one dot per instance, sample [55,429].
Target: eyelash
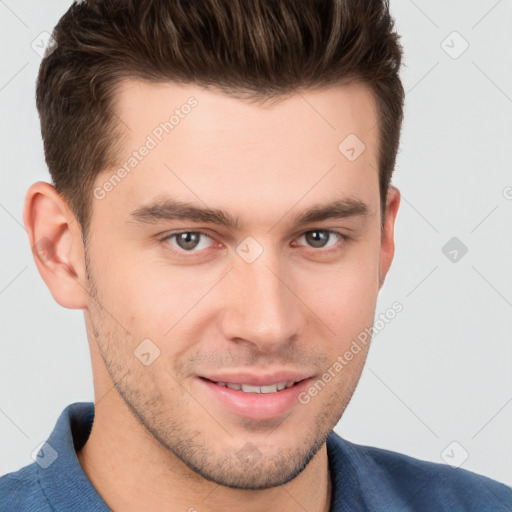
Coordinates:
[186,254]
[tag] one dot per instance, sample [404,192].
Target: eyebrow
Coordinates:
[170,209]
[339,209]
[165,209]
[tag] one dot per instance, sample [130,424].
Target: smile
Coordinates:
[262,397]
[248,388]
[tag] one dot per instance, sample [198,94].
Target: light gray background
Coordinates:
[441,370]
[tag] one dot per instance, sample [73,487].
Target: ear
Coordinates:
[56,240]
[387,248]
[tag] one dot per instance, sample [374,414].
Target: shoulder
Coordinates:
[396,480]
[21,491]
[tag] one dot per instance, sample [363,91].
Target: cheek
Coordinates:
[152,299]
[344,294]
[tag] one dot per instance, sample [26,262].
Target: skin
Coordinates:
[160,439]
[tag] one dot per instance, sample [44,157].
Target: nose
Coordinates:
[261,308]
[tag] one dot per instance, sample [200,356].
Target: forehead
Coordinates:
[143,106]
[203,145]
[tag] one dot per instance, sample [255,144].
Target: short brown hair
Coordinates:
[255,49]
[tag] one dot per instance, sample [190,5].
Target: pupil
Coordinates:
[317,238]
[188,240]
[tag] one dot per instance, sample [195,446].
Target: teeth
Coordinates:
[248,388]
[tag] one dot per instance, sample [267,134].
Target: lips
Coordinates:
[262,396]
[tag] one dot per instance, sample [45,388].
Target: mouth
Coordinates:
[263,389]
[256,397]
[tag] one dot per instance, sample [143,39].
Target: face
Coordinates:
[235,259]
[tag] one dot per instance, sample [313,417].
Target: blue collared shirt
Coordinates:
[363,478]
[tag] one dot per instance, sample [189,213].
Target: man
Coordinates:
[223,215]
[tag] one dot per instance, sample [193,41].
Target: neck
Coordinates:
[133,472]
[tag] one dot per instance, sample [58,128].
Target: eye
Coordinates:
[320,238]
[189,241]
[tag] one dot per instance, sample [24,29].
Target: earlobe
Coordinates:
[56,242]
[387,249]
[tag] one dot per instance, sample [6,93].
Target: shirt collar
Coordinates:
[63,481]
